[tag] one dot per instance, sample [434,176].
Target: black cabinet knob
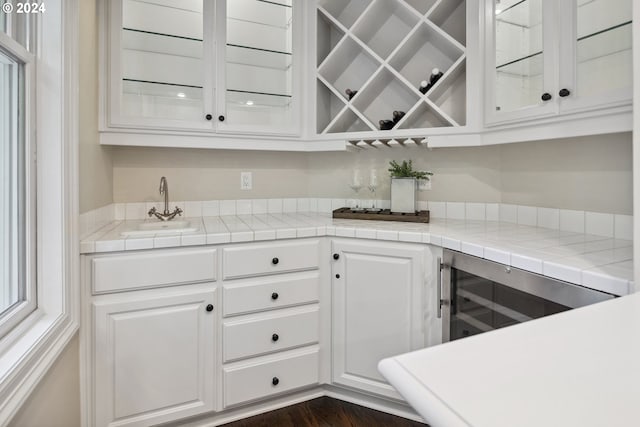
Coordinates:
[336,256]
[275,381]
[209,307]
[221,118]
[546,96]
[275,337]
[564,93]
[208,117]
[337,276]
[275,261]
[274,296]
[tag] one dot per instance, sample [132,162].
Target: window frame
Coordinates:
[33,345]
[26,185]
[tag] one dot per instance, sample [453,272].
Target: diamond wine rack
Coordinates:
[383,49]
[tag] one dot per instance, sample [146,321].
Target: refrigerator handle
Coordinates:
[439,288]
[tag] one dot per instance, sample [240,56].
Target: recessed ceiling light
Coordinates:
[249,102]
[181,95]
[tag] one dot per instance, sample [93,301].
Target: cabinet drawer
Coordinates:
[270,258]
[270,375]
[154,268]
[270,293]
[259,334]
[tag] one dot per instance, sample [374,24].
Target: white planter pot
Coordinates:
[403,195]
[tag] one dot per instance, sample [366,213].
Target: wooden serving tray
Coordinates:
[383,215]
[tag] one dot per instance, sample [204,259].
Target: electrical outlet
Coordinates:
[424,184]
[246,180]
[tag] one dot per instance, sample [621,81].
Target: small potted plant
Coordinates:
[404,184]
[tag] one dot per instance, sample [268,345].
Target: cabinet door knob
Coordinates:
[274,296]
[275,381]
[275,261]
[275,337]
[221,118]
[546,96]
[208,117]
[337,276]
[209,307]
[336,256]
[564,92]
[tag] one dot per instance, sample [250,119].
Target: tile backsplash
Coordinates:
[601,224]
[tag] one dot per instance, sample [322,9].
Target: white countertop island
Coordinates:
[580,368]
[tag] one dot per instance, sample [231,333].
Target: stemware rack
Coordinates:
[383,49]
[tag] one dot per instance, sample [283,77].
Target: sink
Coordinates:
[152,228]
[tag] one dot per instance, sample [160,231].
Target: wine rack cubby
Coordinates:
[383,49]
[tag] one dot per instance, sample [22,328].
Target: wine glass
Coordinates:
[356,183]
[373,185]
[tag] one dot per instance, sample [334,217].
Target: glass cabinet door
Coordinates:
[162,67]
[258,81]
[519,76]
[600,70]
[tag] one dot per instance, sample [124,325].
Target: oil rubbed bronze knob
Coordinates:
[209,307]
[221,118]
[275,261]
[275,381]
[208,117]
[336,256]
[337,276]
[274,296]
[546,96]
[275,337]
[564,93]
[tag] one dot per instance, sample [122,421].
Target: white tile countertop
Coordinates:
[597,262]
[574,369]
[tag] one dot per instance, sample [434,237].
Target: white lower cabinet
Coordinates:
[154,355]
[187,346]
[377,309]
[267,376]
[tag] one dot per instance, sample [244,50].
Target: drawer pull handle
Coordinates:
[274,296]
[275,381]
[275,337]
[275,261]
[209,307]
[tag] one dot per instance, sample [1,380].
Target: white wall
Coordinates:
[588,173]
[96,169]
[56,400]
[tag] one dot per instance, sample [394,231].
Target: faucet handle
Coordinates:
[178,211]
[152,211]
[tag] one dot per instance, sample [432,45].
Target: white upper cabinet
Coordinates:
[261,71]
[202,66]
[372,56]
[546,57]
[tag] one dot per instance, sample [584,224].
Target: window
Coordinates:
[38,195]
[17,296]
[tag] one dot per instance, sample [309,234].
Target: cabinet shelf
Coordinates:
[383,49]
[273,3]
[153,33]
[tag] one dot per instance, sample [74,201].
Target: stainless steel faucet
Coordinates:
[166,215]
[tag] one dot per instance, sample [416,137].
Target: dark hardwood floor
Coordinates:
[325,412]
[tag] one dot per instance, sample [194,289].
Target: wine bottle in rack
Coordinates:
[397,116]
[350,93]
[433,78]
[386,124]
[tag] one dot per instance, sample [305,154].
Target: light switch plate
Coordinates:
[246,180]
